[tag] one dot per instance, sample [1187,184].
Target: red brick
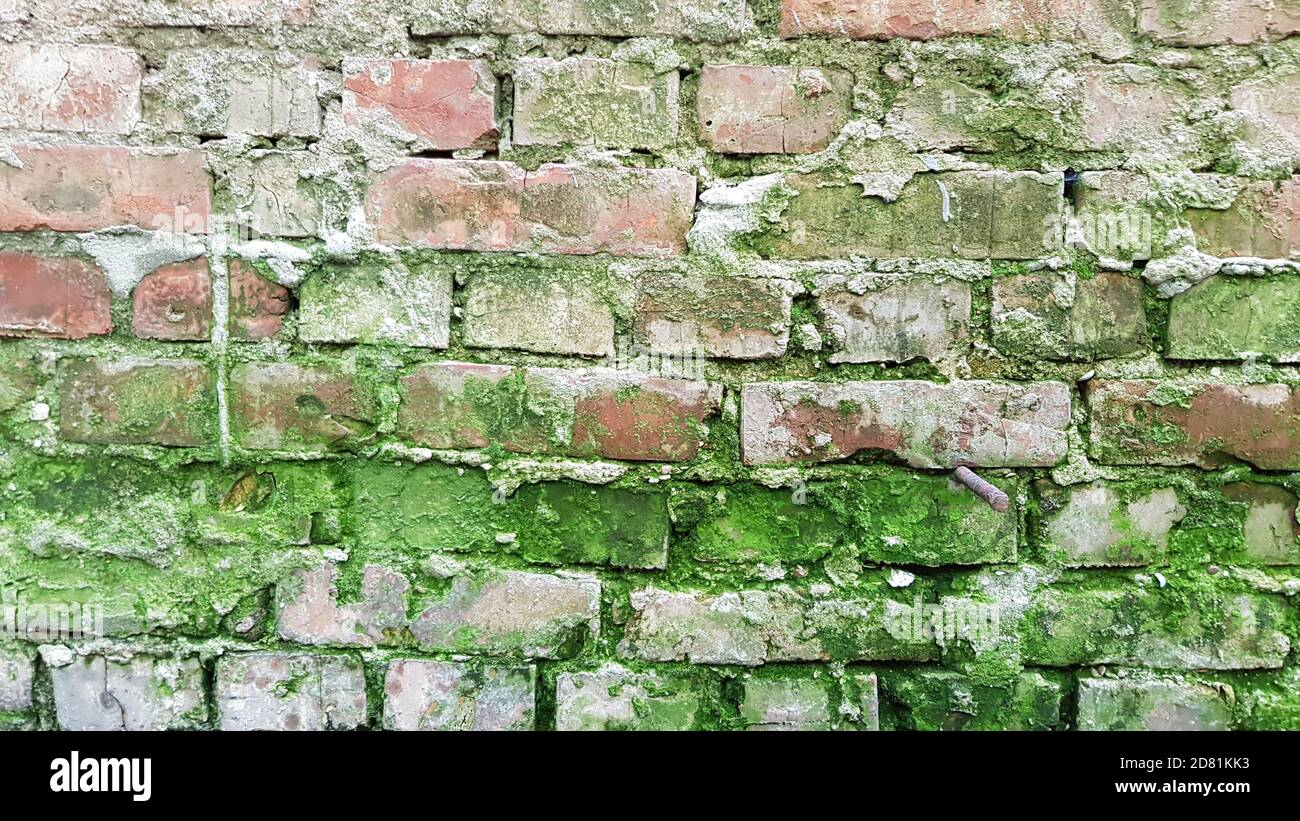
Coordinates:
[87,188]
[285,406]
[52,296]
[474,205]
[257,305]
[450,103]
[595,412]
[1149,422]
[641,419]
[69,88]
[174,303]
[1216,22]
[928,425]
[772,109]
[137,402]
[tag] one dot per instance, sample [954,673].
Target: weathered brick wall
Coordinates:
[604,363]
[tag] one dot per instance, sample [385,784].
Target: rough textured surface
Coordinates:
[605,364]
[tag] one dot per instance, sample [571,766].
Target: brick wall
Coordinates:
[601,364]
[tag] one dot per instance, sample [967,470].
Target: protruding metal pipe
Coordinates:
[996,498]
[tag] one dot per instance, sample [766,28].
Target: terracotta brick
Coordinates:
[137,401]
[52,296]
[595,412]
[772,109]
[1150,422]
[174,302]
[450,104]
[497,206]
[257,305]
[87,188]
[69,88]
[285,406]
[928,425]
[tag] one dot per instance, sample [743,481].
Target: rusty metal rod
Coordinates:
[996,498]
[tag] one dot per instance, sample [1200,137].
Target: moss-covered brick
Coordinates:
[615,698]
[1154,422]
[935,215]
[1146,702]
[1237,318]
[444,695]
[1185,624]
[786,702]
[1101,525]
[1260,222]
[142,693]
[709,20]
[438,508]
[1069,317]
[134,401]
[289,691]
[883,515]
[936,699]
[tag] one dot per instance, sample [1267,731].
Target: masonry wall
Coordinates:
[603,364]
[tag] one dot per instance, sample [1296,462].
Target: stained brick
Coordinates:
[1068,317]
[443,695]
[716,316]
[617,414]
[1180,23]
[286,406]
[1112,218]
[1127,106]
[510,612]
[257,306]
[143,693]
[896,321]
[285,691]
[17,673]
[539,314]
[69,88]
[1105,25]
[1149,422]
[174,302]
[451,104]
[1270,530]
[52,296]
[786,703]
[709,20]
[592,101]
[376,303]
[772,109]
[86,188]
[1271,100]
[272,196]
[497,206]
[1150,703]
[834,220]
[136,401]
[217,13]
[615,698]
[1263,221]
[925,424]
[233,91]
[310,614]
[750,627]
